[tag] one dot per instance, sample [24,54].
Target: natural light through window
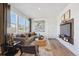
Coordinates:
[13,22]
[21,24]
[18,23]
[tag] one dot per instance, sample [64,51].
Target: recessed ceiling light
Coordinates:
[38,8]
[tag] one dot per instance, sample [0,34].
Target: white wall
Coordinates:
[50,27]
[74,14]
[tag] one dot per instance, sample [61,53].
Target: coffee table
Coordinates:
[44,47]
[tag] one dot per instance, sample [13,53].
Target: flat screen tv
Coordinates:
[65,30]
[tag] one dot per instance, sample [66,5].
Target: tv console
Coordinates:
[67,31]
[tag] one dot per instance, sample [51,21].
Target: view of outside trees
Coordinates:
[22,24]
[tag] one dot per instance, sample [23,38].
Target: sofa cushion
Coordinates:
[29,40]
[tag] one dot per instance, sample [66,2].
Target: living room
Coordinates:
[41,21]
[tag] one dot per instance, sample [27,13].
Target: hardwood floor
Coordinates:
[58,49]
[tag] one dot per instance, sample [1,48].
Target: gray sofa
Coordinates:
[27,44]
[25,40]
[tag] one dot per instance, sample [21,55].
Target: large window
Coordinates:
[12,27]
[13,18]
[22,23]
[18,24]
[27,25]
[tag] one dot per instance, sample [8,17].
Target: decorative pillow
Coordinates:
[22,35]
[29,35]
[33,33]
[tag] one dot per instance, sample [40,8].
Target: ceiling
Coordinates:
[40,10]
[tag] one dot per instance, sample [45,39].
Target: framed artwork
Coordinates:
[39,26]
[63,17]
[68,15]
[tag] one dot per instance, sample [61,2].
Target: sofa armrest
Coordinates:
[30,49]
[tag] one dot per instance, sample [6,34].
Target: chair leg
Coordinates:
[36,53]
[21,51]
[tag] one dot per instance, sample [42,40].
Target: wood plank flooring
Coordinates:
[58,49]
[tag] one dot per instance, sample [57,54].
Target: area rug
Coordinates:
[43,51]
[46,50]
